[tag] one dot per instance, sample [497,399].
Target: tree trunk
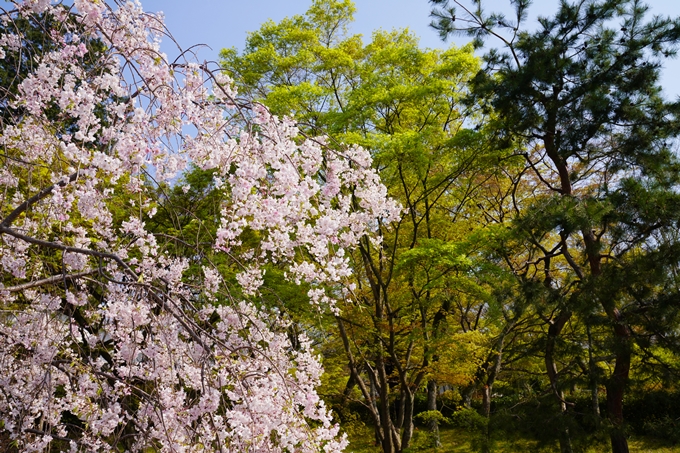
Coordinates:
[615,391]
[466,395]
[407,428]
[486,401]
[593,372]
[619,441]
[554,331]
[486,405]
[433,425]
[390,442]
[495,361]
[616,386]
[375,394]
[349,386]
[565,439]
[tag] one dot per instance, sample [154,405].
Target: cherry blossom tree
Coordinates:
[107,342]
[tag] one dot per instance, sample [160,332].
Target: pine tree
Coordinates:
[580,97]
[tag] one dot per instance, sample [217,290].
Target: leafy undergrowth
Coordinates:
[456,440]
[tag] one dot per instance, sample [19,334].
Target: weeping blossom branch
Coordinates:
[107,340]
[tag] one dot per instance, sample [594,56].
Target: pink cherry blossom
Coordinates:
[107,340]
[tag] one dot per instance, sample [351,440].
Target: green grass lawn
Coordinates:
[456,440]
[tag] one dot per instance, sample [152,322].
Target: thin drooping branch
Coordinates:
[23,207]
[67,248]
[48,281]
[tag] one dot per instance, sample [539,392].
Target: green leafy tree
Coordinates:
[582,93]
[403,103]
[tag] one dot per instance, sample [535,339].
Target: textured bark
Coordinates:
[390,441]
[556,326]
[432,406]
[466,394]
[407,428]
[616,388]
[618,381]
[619,441]
[592,371]
[486,405]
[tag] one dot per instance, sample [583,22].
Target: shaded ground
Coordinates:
[456,440]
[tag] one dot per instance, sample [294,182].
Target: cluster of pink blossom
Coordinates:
[105,343]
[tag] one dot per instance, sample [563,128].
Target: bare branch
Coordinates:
[49,280]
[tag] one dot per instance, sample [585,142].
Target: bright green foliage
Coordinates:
[299,65]
[403,103]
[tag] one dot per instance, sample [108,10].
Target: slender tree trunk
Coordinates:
[374,394]
[398,412]
[432,406]
[493,369]
[486,401]
[615,391]
[349,386]
[595,402]
[390,442]
[379,432]
[592,371]
[486,405]
[616,386]
[565,437]
[407,428]
[466,394]
[554,331]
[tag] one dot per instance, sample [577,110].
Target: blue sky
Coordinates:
[224,23]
